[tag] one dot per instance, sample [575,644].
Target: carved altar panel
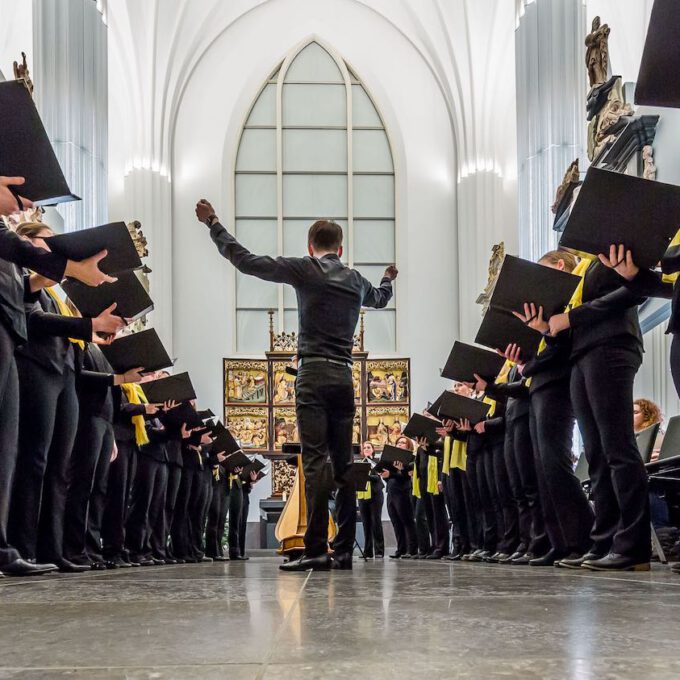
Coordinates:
[283,385]
[245,381]
[249,425]
[283,477]
[384,424]
[387,380]
[285,427]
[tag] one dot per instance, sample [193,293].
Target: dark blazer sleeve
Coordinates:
[376,297]
[513,390]
[24,254]
[279,270]
[650,284]
[41,322]
[613,303]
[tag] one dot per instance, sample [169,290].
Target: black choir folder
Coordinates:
[422,426]
[613,208]
[658,82]
[183,414]
[521,281]
[173,388]
[359,475]
[256,466]
[115,238]
[466,360]
[143,349]
[224,441]
[235,460]
[457,407]
[393,454]
[500,329]
[130,296]
[26,151]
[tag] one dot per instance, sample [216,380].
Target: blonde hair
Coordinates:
[554,256]
[32,229]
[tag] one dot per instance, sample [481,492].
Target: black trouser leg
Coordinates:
[213,538]
[512,464]
[568,517]
[9,439]
[367,522]
[40,393]
[481,463]
[156,543]
[460,517]
[50,546]
[243,526]
[174,480]
[137,527]
[201,495]
[441,523]
[325,412]
[602,392]
[180,520]
[87,450]
[393,498]
[93,536]
[377,501]
[115,511]
[403,508]
[422,530]
[509,540]
[235,508]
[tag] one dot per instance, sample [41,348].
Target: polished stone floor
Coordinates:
[382,620]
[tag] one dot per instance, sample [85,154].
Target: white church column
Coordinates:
[71,92]
[551,115]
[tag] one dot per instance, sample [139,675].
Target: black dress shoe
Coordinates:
[480,556]
[99,566]
[548,560]
[237,558]
[454,557]
[23,568]
[395,556]
[205,558]
[502,558]
[614,562]
[67,567]
[158,561]
[379,557]
[575,561]
[116,563]
[144,561]
[522,559]
[406,556]
[304,563]
[220,558]
[516,555]
[170,560]
[342,562]
[435,555]
[675,568]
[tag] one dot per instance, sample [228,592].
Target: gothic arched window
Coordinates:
[313,147]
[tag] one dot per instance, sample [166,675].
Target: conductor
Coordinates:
[330,296]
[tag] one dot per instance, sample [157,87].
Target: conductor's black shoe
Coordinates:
[343,561]
[304,563]
[67,567]
[614,562]
[23,568]
[435,555]
[575,561]
[522,559]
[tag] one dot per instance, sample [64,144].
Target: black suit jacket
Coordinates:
[608,315]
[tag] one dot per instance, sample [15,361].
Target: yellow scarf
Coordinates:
[365,495]
[416,479]
[459,457]
[447,455]
[216,473]
[64,311]
[672,278]
[491,402]
[432,475]
[135,395]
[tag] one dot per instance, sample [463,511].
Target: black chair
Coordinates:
[645,441]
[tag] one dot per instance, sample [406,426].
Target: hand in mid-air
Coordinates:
[391,272]
[204,211]
[621,261]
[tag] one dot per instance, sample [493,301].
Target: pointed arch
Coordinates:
[313,146]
